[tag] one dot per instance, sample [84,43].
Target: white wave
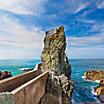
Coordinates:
[97,81]
[93,92]
[83,77]
[23,69]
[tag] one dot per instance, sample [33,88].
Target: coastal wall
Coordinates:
[31,92]
[9,84]
[27,88]
[28,93]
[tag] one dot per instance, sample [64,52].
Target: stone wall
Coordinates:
[31,92]
[27,88]
[28,93]
[10,84]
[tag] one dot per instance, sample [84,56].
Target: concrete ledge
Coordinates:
[31,92]
[27,88]
[6,98]
[9,84]
[28,93]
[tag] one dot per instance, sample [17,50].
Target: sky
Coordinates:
[23,24]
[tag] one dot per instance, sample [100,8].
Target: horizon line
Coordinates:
[68,58]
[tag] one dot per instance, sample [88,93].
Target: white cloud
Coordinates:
[17,40]
[81,6]
[74,6]
[86,53]
[86,47]
[33,7]
[86,41]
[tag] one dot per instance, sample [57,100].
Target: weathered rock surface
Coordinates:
[53,55]
[5,74]
[54,59]
[97,75]
[99,90]
[94,75]
[101,98]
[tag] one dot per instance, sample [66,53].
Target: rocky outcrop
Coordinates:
[5,74]
[54,59]
[94,75]
[99,90]
[97,75]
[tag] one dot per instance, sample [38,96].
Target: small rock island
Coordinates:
[94,75]
[54,59]
[5,74]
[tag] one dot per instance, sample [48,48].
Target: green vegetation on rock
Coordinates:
[54,59]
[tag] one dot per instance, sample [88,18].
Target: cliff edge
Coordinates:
[53,57]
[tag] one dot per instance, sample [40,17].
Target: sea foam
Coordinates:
[23,69]
[97,81]
[93,92]
[83,77]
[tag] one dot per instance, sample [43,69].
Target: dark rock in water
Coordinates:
[101,98]
[5,74]
[54,59]
[99,90]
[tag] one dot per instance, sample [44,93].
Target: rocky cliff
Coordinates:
[54,59]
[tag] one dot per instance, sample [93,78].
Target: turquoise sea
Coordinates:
[82,88]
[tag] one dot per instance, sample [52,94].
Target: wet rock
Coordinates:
[101,98]
[94,75]
[5,74]
[97,75]
[54,59]
[99,90]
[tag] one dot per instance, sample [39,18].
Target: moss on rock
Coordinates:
[54,59]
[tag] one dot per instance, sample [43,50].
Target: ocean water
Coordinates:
[82,88]
[16,66]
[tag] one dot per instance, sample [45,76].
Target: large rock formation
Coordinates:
[54,59]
